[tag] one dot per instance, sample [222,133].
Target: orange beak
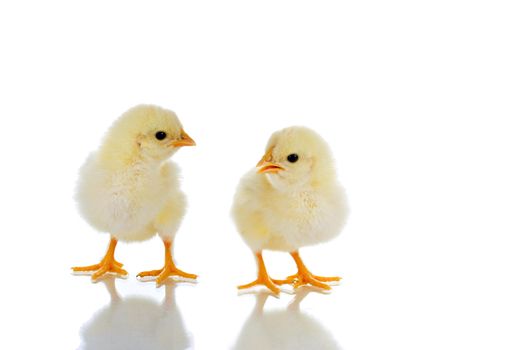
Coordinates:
[269,168]
[186,140]
[266,165]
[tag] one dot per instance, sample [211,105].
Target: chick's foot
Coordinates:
[101,269]
[94,267]
[107,265]
[305,277]
[262,278]
[168,270]
[267,282]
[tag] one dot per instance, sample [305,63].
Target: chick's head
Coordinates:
[145,132]
[297,156]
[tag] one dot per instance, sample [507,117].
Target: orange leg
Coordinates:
[168,270]
[108,264]
[262,277]
[304,276]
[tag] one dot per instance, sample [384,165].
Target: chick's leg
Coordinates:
[262,277]
[304,276]
[168,270]
[108,264]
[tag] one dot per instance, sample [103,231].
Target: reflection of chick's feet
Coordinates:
[107,265]
[163,274]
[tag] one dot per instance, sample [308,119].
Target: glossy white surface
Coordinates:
[422,104]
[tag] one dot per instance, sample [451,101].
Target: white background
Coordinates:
[422,103]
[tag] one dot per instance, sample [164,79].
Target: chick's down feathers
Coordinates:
[302,204]
[128,187]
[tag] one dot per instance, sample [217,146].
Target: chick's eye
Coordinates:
[292,158]
[160,135]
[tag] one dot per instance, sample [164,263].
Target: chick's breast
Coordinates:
[169,218]
[124,201]
[275,220]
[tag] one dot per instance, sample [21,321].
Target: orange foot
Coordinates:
[164,273]
[108,264]
[305,277]
[267,282]
[168,270]
[302,279]
[262,278]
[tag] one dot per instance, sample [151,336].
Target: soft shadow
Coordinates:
[285,329]
[136,322]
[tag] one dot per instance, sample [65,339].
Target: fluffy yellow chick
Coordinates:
[291,200]
[130,189]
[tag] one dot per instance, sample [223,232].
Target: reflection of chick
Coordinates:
[287,329]
[129,188]
[292,200]
[136,323]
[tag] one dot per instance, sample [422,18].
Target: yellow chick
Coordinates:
[291,200]
[130,189]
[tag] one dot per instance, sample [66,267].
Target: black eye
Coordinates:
[160,135]
[292,158]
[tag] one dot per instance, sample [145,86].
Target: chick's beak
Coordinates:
[185,140]
[266,165]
